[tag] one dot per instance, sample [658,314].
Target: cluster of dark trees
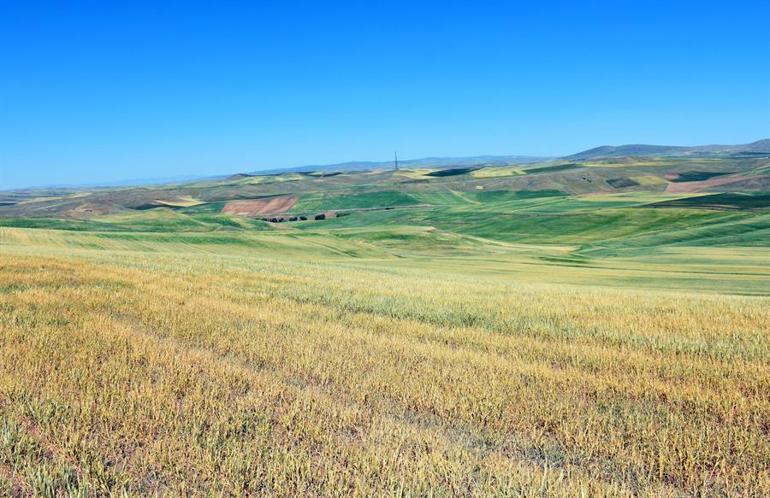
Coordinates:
[281,219]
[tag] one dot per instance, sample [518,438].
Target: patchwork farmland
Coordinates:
[594,326]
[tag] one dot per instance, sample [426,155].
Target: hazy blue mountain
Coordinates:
[426,162]
[669,150]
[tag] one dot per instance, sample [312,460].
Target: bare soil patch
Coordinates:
[259,207]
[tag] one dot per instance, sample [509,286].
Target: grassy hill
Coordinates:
[598,327]
[608,207]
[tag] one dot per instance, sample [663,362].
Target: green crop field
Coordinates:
[528,330]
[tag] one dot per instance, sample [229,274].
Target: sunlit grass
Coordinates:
[494,172]
[182,201]
[125,367]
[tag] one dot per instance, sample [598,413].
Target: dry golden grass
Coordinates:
[494,172]
[181,201]
[144,373]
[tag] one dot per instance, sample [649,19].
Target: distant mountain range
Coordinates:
[425,162]
[605,151]
[760,146]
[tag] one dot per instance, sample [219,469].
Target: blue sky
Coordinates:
[100,91]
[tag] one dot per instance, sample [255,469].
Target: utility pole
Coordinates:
[395,162]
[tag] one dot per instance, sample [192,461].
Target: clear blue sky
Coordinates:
[100,91]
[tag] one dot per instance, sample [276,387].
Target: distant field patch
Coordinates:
[326,202]
[719,201]
[761,171]
[694,176]
[503,195]
[698,186]
[552,169]
[495,172]
[626,198]
[89,209]
[622,182]
[649,180]
[413,173]
[185,201]
[450,172]
[49,223]
[254,207]
[322,174]
[621,163]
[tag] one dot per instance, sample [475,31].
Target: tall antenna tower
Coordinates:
[395,160]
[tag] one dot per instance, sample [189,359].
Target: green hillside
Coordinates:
[547,215]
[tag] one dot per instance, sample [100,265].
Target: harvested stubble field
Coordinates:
[235,371]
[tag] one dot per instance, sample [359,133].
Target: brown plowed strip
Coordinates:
[689,187]
[257,207]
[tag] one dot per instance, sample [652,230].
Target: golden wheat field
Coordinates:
[134,372]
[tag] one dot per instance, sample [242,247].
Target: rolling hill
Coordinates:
[482,329]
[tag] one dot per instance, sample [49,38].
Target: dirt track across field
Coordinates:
[258,207]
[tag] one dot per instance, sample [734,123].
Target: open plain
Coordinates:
[592,327]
